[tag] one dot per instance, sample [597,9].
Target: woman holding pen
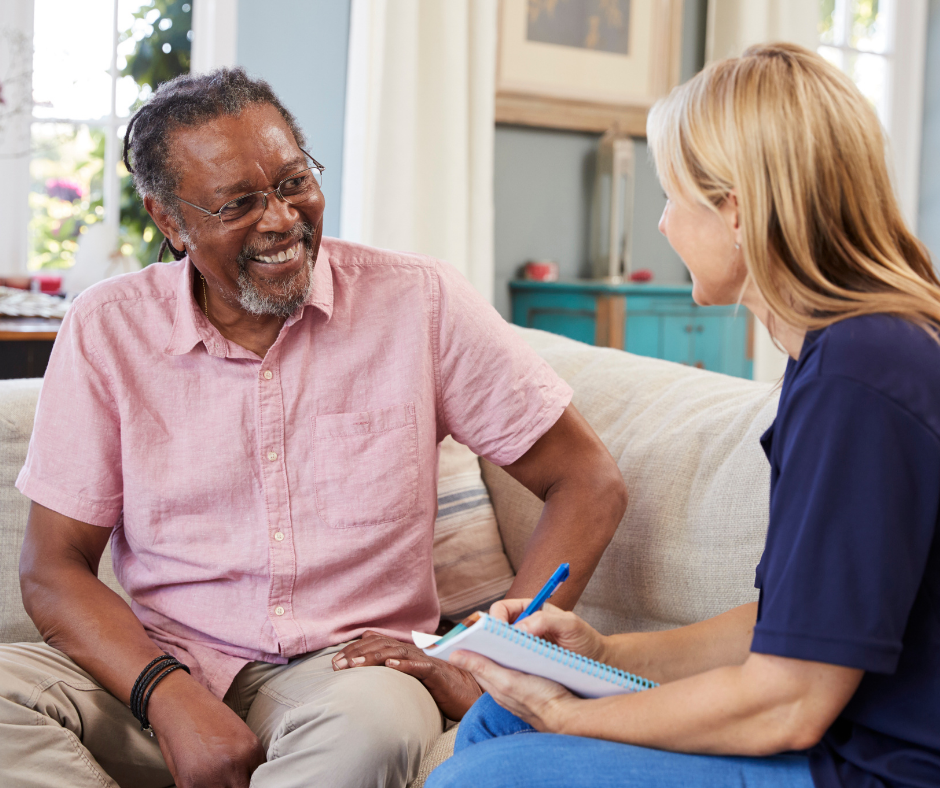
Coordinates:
[778,198]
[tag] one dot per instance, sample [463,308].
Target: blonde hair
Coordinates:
[822,233]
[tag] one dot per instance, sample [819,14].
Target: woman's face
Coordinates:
[706,243]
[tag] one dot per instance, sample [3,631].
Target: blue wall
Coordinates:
[928,225]
[300,47]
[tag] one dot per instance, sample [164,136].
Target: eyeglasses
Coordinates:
[248,209]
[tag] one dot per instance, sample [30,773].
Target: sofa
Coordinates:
[686,441]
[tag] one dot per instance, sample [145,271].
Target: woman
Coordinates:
[778,198]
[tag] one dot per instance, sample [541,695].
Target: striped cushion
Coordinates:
[470,565]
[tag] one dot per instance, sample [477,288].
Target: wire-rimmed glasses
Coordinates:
[248,209]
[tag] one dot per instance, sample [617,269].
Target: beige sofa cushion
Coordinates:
[16,424]
[686,442]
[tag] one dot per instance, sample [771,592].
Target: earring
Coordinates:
[737,246]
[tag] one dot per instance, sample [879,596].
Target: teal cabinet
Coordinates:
[661,321]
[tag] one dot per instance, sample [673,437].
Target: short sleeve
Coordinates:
[854,507]
[496,395]
[73,465]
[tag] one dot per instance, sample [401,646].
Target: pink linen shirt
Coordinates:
[266,508]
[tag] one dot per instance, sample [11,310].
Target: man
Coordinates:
[255,428]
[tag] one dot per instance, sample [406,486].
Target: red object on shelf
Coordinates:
[48,283]
[541,271]
[642,275]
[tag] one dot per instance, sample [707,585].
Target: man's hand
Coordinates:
[454,690]
[204,743]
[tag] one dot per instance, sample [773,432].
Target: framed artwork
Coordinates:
[586,64]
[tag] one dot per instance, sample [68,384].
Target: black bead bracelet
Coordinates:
[157,670]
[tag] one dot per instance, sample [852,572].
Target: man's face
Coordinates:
[229,157]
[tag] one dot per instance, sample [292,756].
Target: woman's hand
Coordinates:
[454,690]
[543,704]
[556,626]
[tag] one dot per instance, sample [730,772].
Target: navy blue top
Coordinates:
[850,573]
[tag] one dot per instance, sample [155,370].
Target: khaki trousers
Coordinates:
[357,727]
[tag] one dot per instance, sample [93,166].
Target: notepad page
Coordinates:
[512,648]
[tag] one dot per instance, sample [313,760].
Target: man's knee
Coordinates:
[369,726]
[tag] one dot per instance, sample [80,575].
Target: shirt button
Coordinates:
[279,536]
[268,374]
[279,610]
[272,455]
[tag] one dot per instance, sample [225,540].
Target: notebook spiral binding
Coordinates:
[568,658]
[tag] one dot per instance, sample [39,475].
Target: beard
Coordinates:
[280,297]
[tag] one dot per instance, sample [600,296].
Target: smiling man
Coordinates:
[254,427]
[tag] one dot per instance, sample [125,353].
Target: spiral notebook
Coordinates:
[512,648]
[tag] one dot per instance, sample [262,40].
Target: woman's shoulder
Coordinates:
[884,353]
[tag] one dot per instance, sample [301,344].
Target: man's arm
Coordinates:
[570,469]
[202,740]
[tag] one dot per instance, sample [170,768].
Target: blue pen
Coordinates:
[559,577]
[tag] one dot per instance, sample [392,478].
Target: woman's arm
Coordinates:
[766,705]
[686,651]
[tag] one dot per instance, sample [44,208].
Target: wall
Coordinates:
[543,183]
[929,219]
[300,47]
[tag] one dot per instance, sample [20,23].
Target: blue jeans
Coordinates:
[498,750]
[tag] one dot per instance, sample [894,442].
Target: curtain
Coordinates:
[734,25]
[418,147]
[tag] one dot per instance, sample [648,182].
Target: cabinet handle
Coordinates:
[688,329]
[699,329]
[700,365]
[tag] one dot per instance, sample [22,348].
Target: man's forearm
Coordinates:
[80,616]
[577,523]
[73,610]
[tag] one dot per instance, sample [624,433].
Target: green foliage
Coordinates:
[168,29]
[161,24]
[76,155]
[864,17]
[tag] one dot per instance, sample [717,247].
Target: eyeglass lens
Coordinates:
[245,211]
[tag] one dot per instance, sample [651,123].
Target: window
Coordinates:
[854,37]
[881,45]
[92,67]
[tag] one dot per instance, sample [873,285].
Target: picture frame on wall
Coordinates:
[586,65]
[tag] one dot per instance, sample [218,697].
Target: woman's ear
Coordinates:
[165,222]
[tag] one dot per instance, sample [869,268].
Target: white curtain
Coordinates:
[418,147]
[734,25]
[16,48]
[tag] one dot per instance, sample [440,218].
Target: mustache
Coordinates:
[301,230]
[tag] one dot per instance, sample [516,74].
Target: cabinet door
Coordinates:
[571,315]
[643,335]
[677,338]
[707,349]
[573,324]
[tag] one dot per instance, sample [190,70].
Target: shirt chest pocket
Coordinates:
[366,466]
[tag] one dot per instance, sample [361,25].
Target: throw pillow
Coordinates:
[470,566]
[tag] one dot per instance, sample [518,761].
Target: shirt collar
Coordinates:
[191,326]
